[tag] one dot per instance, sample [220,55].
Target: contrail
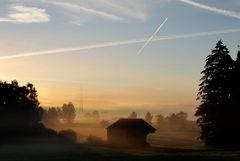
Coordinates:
[150,39]
[212,9]
[198,34]
[118,43]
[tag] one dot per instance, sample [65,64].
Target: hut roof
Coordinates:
[132,124]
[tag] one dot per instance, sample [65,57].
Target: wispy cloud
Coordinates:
[82,11]
[81,8]
[23,14]
[129,11]
[118,43]
[212,9]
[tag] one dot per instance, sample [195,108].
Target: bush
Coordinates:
[95,140]
[69,135]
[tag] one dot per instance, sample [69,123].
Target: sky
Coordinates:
[88,50]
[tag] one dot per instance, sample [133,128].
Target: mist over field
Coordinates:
[176,134]
[119,80]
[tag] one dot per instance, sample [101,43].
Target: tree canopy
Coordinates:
[219,95]
[21,116]
[19,106]
[51,116]
[68,113]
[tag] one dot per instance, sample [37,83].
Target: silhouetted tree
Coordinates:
[20,115]
[133,115]
[149,117]
[160,121]
[19,107]
[172,121]
[232,118]
[182,116]
[177,121]
[68,113]
[235,84]
[51,116]
[95,114]
[214,111]
[182,119]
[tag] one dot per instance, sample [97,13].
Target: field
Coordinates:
[176,139]
[69,152]
[162,138]
[166,146]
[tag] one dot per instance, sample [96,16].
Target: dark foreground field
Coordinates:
[68,152]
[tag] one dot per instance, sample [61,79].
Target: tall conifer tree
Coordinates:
[214,93]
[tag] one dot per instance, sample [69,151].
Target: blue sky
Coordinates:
[165,75]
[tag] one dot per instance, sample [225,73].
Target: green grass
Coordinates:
[69,152]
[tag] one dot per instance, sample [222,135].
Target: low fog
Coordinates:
[174,130]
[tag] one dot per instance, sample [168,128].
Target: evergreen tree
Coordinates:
[234,109]
[235,84]
[214,93]
[237,76]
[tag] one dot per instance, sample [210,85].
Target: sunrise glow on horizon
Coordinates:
[87,50]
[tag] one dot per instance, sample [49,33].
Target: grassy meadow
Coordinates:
[68,152]
[166,145]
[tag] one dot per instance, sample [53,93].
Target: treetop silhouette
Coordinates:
[219,99]
[19,106]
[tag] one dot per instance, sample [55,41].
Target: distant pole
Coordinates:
[81,99]
[102,112]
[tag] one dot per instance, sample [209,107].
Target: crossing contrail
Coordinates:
[118,43]
[150,39]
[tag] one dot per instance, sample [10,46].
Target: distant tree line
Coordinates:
[178,121]
[54,116]
[219,95]
[65,115]
[92,115]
